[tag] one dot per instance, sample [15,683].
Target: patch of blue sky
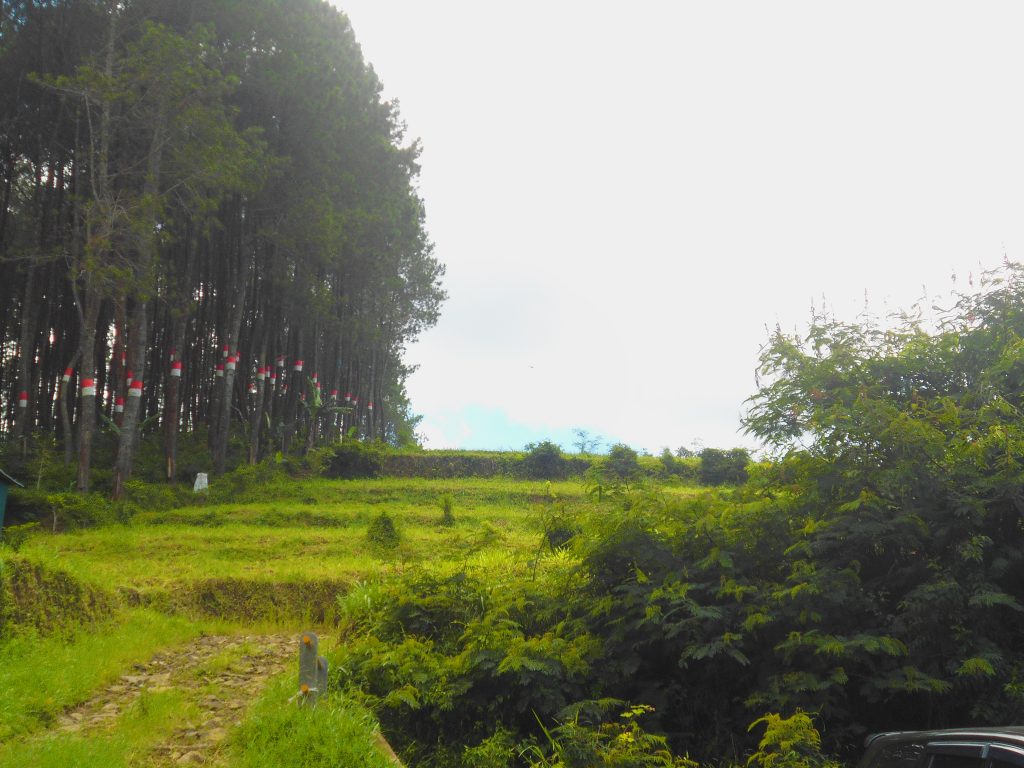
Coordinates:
[479,427]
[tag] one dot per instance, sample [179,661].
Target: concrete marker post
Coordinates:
[321,675]
[309,646]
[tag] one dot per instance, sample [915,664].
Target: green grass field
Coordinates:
[223,568]
[321,535]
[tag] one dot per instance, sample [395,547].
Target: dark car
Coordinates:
[950,748]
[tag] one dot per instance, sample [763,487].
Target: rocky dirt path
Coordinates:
[221,675]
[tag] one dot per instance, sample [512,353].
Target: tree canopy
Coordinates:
[207,213]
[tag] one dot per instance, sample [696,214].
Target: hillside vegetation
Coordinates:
[869,576]
[108,594]
[215,256]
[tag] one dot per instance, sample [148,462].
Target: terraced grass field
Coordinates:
[321,535]
[272,563]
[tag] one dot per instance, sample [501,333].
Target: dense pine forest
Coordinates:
[209,225]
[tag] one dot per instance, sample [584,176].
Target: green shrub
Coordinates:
[685,469]
[16,535]
[382,532]
[668,461]
[158,496]
[613,474]
[247,481]
[544,461]
[719,467]
[621,743]
[622,463]
[353,459]
[496,751]
[311,463]
[450,463]
[560,526]
[688,469]
[447,504]
[789,742]
[66,510]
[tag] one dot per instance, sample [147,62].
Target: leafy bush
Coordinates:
[685,468]
[447,504]
[66,510]
[560,526]
[16,535]
[450,463]
[719,467]
[382,532]
[613,473]
[158,496]
[668,461]
[312,463]
[789,742]
[250,481]
[544,461]
[618,743]
[354,459]
[447,661]
[622,463]
[496,751]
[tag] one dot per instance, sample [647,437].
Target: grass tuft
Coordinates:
[41,677]
[335,732]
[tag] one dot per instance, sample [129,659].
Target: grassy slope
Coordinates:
[41,677]
[294,531]
[312,530]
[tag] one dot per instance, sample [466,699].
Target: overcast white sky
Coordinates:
[626,194]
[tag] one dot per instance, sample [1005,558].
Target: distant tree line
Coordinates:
[208,219]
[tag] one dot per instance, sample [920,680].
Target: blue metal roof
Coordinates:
[5,478]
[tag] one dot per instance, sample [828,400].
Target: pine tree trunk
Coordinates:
[224,416]
[129,434]
[87,407]
[256,417]
[26,350]
[63,393]
[172,405]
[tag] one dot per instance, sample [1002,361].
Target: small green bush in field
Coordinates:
[544,461]
[622,463]
[382,532]
[353,459]
[447,505]
[14,535]
[621,744]
[559,528]
[789,742]
[686,468]
[719,467]
[67,510]
[496,751]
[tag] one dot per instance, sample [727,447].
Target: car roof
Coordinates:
[1012,734]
